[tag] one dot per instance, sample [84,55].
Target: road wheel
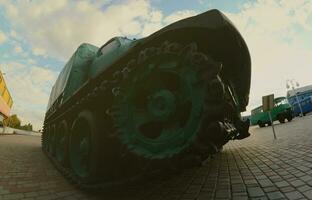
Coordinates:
[261,124]
[84,147]
[45,137]
[289,118]
[281,119]
[160,109]
[51,140]
[269,123]
[61,143]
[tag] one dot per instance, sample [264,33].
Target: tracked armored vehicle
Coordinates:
[133,107]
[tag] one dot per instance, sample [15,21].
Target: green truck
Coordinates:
[281,112]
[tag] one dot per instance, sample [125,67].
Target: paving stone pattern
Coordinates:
[255,168]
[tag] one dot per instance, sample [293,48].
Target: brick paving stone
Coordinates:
[299,174]
[297,183]
[287,189]
[12,196]
[194,189]
[306,178]
[304,188]
[204,196]
[235,194]
[281,184]
[265,183]
[255,192]
[240,198]
[238,188]
[288,176]
[251,182]
[294,195]
[185,196]
[198,181]
[270,189]
[46,197]
[4,191]
[260,198]
[261,177]
[308,194]
[223,194]
[276,178]
[172,197]
[303,168]
[70,198]
[275,195]
[236,181]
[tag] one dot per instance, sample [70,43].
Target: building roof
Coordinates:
[304,89]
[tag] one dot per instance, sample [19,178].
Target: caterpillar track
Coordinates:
[163,107]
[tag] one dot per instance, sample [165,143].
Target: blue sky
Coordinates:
[171,6]
[37,37]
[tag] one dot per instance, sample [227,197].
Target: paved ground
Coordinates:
[254,168]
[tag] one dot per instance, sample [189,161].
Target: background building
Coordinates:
[303,96]
[6,101]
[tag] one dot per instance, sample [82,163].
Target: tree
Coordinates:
[27,127]
[12,121]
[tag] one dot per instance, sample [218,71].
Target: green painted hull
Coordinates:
[133,107]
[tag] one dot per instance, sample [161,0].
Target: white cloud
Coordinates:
[39,51]
[13,34]
[155,22]
[18,49]
[150,28]
[3,37]
[57,28]
[41,75]
[179,15]
[29,87]
[156,16]
[31,61]
[273,31]
[16,37]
